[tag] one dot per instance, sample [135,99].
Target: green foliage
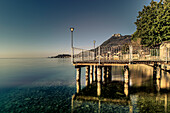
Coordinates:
[153,24]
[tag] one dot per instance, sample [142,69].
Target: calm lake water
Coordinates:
[47,85]
[36,85]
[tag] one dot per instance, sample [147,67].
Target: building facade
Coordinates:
[165,50]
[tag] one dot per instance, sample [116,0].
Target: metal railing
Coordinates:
[83,54]
[117,53]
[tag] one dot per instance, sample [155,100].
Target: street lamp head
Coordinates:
[71,29]
[94,41]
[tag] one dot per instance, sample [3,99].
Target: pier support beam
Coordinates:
[78,79]
[91,74]
[87,75]
[126,80]
[95,74]
[99,80]
[104,74]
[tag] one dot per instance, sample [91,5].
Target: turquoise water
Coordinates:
[47,85]
[36,85]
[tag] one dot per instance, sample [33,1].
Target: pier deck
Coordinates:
[118,62]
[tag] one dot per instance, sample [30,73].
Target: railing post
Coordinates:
[82,55]
[99,55]
[93,57]
[155,54]
[89,54]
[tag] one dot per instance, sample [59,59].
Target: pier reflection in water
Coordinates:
[140,88]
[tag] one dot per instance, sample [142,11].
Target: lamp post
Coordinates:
[94,41]
[72,53]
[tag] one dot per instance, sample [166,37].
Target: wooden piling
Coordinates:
[95,74]
[87,75]
[78,73]
[78,86]
[104,73]
[91,74]
[78,79]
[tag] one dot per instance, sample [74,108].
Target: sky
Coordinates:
[41,28]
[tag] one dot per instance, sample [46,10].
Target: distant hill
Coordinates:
[117,39]
[61,56]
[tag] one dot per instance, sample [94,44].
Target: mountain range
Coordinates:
[117,39]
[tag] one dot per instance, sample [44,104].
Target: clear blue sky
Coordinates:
[40,28]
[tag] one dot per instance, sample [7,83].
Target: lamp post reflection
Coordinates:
[99,80]
[158,76]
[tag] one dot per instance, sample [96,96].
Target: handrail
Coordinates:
[116,53]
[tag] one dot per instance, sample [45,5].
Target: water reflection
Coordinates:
[139,89]
[165,80]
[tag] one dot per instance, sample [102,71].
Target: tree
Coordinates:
[153,24]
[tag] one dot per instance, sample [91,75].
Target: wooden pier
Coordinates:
[98,71]
[99,80]
[98,64]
